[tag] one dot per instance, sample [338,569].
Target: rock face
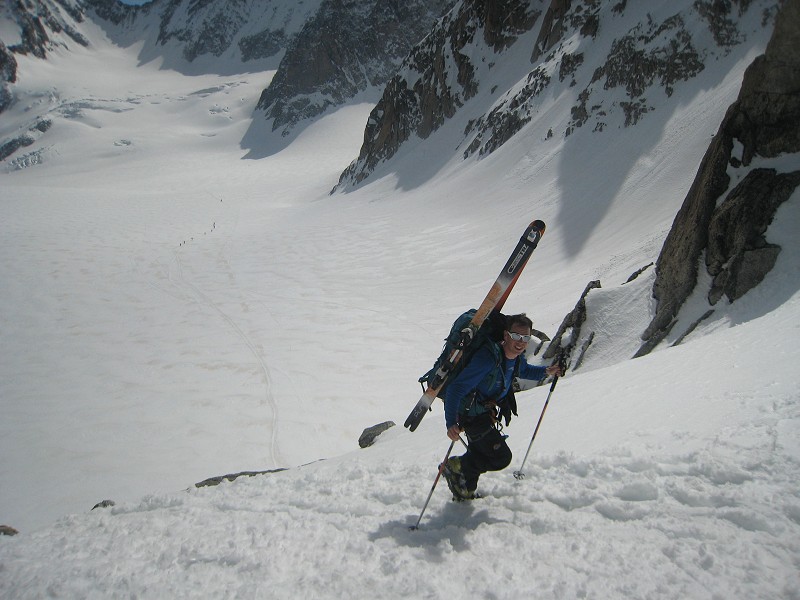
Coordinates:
[41,25]
[370,434]
[40,20]
[7,148]
[738,255]
[326,51]
[239,29]
[212,481]
[438,77]
[346,48]
[571,327]
[251,29]
[8,75]
[235,30]
[8,530]
[613,76]
[763,122]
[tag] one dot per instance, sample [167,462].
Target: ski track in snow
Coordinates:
[275,458]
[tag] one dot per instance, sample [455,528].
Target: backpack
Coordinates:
[490,331]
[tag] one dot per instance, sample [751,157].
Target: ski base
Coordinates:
[420,410]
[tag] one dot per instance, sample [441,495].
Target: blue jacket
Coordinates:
[478,375]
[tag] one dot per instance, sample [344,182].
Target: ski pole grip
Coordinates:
[562,363]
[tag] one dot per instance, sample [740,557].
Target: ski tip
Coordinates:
[534,232]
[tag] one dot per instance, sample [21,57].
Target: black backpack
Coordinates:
[491,330]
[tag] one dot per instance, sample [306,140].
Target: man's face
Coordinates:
[514,347]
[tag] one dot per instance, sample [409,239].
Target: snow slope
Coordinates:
[643,483]
[173,312]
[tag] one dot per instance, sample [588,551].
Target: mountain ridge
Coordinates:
[654,56]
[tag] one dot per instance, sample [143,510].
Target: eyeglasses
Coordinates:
[518,337]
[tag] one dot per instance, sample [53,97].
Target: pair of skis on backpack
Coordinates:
[463,341]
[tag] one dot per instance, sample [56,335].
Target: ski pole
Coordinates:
[433,487]
[519,474]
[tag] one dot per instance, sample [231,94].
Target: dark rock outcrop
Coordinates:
[212,481]
[651,53]
[8,75]
[209,29]
[763,122]
[370,434]
[34,132]
[43,25]
[38,20]
[427,92]
[346,48]
[652,57]
[571,327]
[113,11]
[553,28]
[638,272]
[8,65]
[738,255]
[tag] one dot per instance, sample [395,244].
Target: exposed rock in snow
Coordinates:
[370,434]
[345,49]
[728,226]
[617,77]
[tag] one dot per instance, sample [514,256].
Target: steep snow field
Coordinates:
[173,310]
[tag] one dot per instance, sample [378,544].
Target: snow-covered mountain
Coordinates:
[489,69]
[178,32]
[172,311]
[326,52]
[345,51]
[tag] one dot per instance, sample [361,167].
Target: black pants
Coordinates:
[487,450]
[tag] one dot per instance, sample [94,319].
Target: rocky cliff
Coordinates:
[345,49]
[612,78]
[238,30]
[439,76]
[8,75]
[246,30]
[722,223]
[325,51]
[43,24]
[39,26]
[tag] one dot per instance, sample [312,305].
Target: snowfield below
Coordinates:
[642,483]
[175,310]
